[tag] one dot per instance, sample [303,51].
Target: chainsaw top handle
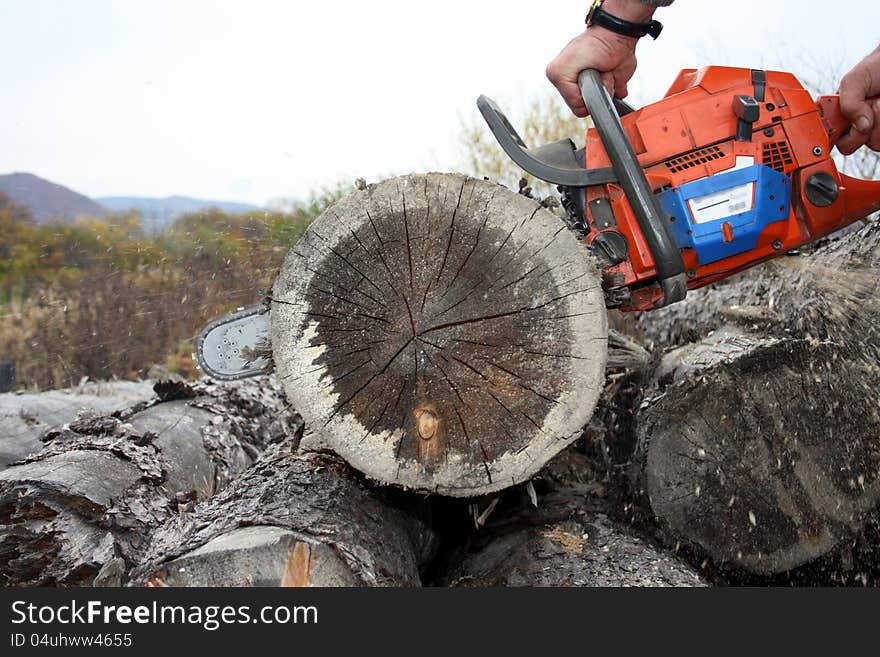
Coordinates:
[631,178]
[559,163]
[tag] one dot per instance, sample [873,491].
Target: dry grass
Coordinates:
[118,324]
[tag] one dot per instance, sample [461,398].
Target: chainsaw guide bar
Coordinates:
[236,346]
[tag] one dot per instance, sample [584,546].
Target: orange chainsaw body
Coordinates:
[692,136]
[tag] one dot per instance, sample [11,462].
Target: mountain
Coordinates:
[158,213]
[46,200]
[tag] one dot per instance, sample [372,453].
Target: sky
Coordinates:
[254,100]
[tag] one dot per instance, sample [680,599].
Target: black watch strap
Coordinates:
[602,18]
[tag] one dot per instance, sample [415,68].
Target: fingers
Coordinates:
[609,81]
[614,57]
[874,137]
[851,142]
[622,75]
[568,88]
[854,92]
[855,138]
[858,104]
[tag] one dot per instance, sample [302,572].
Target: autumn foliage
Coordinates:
[99,299]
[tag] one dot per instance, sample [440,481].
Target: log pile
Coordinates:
[759,433]
[446,344]
[90,498]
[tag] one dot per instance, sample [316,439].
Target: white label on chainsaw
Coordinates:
[742,161]
[723,204]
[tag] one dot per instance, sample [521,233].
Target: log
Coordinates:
[757,451]
[441,333]
[302,519]
[84,506]
[829,294]
[24,417]
[760,442]
[570,539]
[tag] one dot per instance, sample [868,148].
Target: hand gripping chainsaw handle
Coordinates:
[631,178]
[861,197]
[561,164]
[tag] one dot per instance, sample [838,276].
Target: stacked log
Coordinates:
[443,333]
[568,529]
[25,416]
[301,519]
[572,538]
[90,498]
[759,437]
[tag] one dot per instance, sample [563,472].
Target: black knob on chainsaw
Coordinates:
[821,189]
[610,247]
[747,111]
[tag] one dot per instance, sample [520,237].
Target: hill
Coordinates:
[48,201]
[158,213]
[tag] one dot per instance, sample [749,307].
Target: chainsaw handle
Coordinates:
[835,122]
[631,177]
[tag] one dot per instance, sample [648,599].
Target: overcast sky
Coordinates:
[256,100]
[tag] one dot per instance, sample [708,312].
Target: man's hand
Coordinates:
[611,54]
[860,103]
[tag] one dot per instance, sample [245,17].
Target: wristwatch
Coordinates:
[598,16]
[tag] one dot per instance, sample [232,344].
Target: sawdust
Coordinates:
[569,542]
[853,288]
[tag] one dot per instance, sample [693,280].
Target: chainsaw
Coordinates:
[730,169]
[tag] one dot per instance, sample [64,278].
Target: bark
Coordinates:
[24,417]
[292,520]
[573,537]
[441,332]
[759,441]
[89,499]
[830,294]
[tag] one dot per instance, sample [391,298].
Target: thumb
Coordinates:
[860,115]
[856,89]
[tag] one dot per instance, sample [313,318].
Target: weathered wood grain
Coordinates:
[90,498]
[763,451]
[441,333]
[27,415]
[302,519]
[570,539]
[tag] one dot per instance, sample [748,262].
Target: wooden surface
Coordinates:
[763,451]
[25,416]
[761,432]
[87,503]
[441,333]
[310,520]
[568,540]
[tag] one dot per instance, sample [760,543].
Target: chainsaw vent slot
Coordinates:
[777,155]
[694,159]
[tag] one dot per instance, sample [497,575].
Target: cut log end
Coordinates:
[441,333]
[756,451]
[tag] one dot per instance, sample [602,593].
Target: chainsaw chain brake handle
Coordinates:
[631,178]
[558,163]
[561,164]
